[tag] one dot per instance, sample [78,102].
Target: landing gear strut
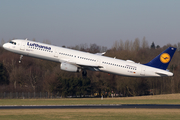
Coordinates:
[21,56]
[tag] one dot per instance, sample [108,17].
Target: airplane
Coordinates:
[76,61]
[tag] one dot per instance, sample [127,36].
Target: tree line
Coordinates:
[36,75]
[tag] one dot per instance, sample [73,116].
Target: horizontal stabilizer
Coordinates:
[161,74]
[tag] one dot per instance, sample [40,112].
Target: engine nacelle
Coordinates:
[69,67]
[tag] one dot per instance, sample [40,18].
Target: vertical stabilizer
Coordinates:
[162,60]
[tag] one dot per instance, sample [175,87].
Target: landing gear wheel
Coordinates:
[84,73]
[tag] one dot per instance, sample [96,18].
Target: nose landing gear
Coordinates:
[21,56]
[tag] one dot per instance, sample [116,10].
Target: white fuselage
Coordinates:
[83,59]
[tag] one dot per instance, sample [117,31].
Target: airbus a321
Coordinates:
[75,61]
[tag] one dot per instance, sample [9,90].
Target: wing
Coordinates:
[101,54]
[82,65]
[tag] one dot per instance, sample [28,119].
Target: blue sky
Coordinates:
[74,22]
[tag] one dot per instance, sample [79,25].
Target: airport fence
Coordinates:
[46,95]
[29,95]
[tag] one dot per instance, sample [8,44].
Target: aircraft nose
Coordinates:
[5,46]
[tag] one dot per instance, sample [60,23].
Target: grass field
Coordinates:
[157,99]
[93,114]
[90,114]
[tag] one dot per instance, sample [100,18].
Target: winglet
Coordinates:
[162,60]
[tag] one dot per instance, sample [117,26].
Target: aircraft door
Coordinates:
[98,62]
[143,69]
[56,53]
[23,44]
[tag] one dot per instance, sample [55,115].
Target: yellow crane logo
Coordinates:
[165,58]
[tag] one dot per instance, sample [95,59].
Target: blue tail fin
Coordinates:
[162,60]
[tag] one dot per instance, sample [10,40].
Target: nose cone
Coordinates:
[5,46]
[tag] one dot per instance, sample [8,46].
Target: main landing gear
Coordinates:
[21,56]
[84,73]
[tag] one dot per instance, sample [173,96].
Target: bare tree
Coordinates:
[144,43]
[136,44]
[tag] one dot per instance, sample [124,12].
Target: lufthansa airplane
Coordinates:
[75,61]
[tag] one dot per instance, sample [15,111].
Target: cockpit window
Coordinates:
[14,43]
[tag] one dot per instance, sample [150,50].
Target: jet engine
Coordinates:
[69,67]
